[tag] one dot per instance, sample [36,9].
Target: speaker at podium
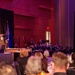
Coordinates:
[2,43]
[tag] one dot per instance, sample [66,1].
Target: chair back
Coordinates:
[7,58]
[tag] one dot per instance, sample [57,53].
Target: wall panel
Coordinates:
[31,17]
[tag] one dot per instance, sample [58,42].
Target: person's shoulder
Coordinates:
[71,68]
[71,71]
[60,73]
[42,73]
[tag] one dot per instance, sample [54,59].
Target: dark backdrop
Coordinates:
[7,15]
[74,31]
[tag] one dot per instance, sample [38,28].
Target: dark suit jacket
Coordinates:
[22,63]
[71,71]
[59,73]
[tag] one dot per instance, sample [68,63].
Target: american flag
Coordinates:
[7,33]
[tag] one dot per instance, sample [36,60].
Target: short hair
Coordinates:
[6,69]
[60,59]
[23,53]
[46,53]
[39,54]
[33,65]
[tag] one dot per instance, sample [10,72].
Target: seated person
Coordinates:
[73,60]
[44,67]
[60,63]
[71,69]
[46,54]
[6,69]
[33,66]
[22,60]
[39,54]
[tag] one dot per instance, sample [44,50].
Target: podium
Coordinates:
[15,51]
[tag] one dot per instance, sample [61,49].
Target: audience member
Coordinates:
[33,66]
[69,58]
[44,67]
[6,69]
[71,69]
[73,60]
[39,54]
[50,68]
[22,60]
[60,63]
[46,54]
